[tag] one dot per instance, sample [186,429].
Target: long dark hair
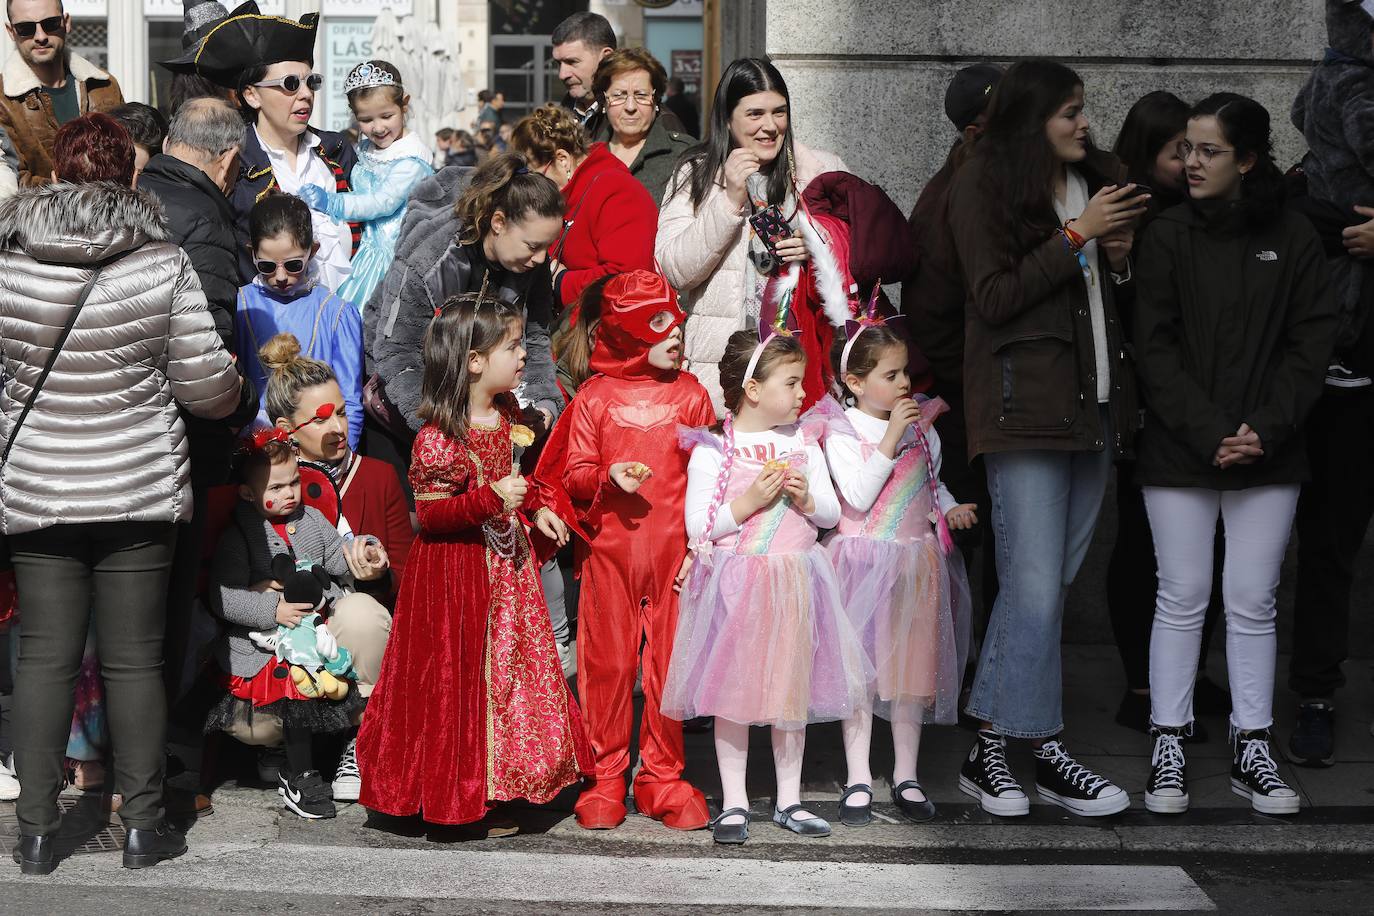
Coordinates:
[744,77]
[1245,125]
[467,323]
[1153,121]
[1019,163]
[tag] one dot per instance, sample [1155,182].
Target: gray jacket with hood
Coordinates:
[432,265]
[104,441]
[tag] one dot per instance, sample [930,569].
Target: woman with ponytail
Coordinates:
[466,231]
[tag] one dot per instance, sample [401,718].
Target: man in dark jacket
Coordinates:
[192,180]
[580,43]
[933,298]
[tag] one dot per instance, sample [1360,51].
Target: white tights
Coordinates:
[732,756]
[906,746]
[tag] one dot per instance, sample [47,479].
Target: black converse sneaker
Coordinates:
[307,794]
[1167,792]
[1063,781]
[1255,776]
[986,777]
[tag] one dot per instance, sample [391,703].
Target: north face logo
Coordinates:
[1268,256]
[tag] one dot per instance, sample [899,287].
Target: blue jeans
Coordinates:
[1044,509]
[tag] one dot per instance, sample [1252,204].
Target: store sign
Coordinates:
[86,9]
[686,66]
[369,8]
[347,43]
[175,9]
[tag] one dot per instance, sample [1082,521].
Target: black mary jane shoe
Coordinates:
[730,834]
[856,815]
[34,854]
[917,811]
[803,826]
[145,847]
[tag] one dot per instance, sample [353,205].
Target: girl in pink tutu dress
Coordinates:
[762,637]
[904,587]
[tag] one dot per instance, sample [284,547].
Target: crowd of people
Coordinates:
[309,437]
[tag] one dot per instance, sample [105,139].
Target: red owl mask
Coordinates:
[638,310]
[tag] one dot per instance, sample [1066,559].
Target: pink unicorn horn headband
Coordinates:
[781,323]
[856,326]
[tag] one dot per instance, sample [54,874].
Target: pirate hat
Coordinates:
[248,39]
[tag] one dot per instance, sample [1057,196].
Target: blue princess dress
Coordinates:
[382,181]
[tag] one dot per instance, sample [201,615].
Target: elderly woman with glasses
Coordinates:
[268,63]
[630,84]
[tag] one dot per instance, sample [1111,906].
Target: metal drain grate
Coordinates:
[84,828]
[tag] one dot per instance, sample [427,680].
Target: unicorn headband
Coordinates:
[782,323]
[854,327]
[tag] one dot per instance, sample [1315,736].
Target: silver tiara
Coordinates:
[367,75]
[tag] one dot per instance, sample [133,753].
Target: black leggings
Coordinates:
[1132,582]
[115,574]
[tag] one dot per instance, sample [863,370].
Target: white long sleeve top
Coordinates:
[861,479]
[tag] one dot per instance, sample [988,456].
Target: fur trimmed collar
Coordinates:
[80,223]
[20,81]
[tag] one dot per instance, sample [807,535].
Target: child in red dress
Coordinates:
[616,452]
[471,707]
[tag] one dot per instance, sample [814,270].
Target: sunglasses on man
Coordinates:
[292,83]
[51,26]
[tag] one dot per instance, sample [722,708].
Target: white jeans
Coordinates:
[1183,521]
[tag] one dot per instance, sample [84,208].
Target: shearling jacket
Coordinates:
[704,254]
[431,265]
[27,118]
[104,441]
[243,558]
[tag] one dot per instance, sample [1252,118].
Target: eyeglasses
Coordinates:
[618,98]
[1205,152]
[50,26]
[290,265]
[292,83]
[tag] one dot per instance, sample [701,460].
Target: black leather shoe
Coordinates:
[917,811]
[146,847]
[33,854]
[731,834]
[856,815]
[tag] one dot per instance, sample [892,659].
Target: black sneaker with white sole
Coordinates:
[1255,775]
[1063,781]
[307,794]
[986,776]
[1167,791]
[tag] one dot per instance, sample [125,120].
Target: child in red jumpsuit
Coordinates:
[616,452]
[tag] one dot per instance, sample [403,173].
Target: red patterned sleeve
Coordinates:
[440,475]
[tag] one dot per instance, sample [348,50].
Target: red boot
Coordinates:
[601,806]
[678,804]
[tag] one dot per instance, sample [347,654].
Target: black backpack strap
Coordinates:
[52,359]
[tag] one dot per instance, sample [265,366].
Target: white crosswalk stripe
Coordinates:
[449,874]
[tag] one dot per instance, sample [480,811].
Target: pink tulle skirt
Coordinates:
[910,605]
[763,639]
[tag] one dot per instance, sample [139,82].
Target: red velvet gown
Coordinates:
[471,707]
[627,600]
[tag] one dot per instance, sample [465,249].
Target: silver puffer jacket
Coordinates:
[104,441]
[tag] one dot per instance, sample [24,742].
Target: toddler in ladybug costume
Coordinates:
[616,453]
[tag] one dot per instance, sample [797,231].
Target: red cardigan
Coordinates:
[611,220]
[375,504]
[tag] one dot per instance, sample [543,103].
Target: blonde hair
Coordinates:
[288,374]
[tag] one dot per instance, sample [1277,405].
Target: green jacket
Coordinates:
[658,157]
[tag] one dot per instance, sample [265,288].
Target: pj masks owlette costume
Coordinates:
[630,412]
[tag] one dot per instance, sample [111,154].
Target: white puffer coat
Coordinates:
[705,253]
[104,441]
